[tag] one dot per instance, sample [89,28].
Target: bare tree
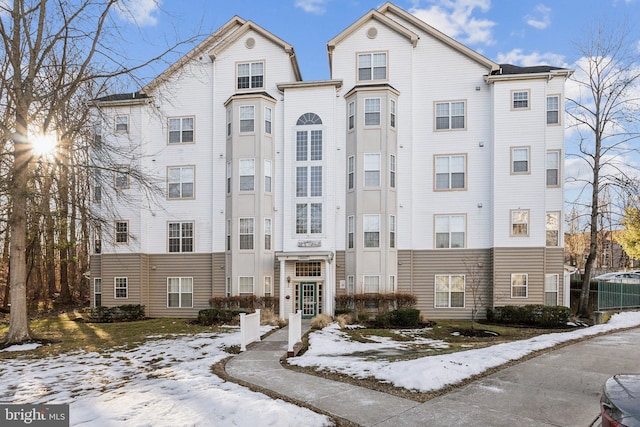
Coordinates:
[604,112]
[477,281]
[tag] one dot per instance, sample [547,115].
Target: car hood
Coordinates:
[623,391]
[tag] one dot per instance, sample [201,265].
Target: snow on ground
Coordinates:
[166,382]
[331,349]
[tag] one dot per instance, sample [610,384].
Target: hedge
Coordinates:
[383,302]
[545,316]
[245,302]
[399,318]
[121,313]
[216,316]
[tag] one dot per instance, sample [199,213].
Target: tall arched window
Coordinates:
[309,175]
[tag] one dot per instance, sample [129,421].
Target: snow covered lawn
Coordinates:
[165,382]
[330,349]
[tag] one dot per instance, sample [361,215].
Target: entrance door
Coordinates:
[308,299]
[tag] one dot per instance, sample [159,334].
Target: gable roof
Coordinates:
[372,15]
[390,8]
[219,41]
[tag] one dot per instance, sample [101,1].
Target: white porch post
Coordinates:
[329,287]
[283,287]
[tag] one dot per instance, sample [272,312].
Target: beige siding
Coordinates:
[340,272]
[197,266]
[121,265]
[417,271]
[522,260]
[218,260]
[554,264]
[95,266]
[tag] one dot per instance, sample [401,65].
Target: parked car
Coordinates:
[619,277]
[620,401]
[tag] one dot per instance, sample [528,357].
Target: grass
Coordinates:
[66,334]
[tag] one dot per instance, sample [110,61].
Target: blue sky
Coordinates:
[521,32]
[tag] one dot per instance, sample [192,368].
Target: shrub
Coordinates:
[320,321]
[216,316]
[399,318]
[545,316]
[344,320]
[121,313]
[245,302]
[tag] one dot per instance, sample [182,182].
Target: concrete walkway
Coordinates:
[559,388]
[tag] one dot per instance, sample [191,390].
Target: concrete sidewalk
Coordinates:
[559,388]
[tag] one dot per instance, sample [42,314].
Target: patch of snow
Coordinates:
[22,347]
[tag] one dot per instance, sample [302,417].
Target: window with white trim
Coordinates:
[97,186]
[247,118]
[121,287]
[268,288]
[180,292]
[392,171]
[229,227]
[450,172]
[372,169]
[392,231]
[520,223]
[308,151]
[351,171]
[553,168]
[247,174]
[227,288]
[371,231]
[519,160]
[372,66]
[551,282]
[450,115]
[122,232]
[351,231]
[308,218]
[97,239]
[392,113]
[553,228]
[229,120]
[371,284]
[122,124]
[449,291]
[246,233]
[97,292]
[519,285]
[392,283]
[268,166]
[229,173]
[245,285]
[181,182]
[180,237]
[351,285]
[267,234]
[181,130]
[520,99]
[97,136]
[309,181]
[121,178]
[553,110]
[450,231]
[351,115]
[372,111]
[267,120]
[250,75]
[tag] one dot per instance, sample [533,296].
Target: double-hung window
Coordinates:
[450,115]
[245,285]
[553,168]
[229,120]
[519,285]
[449,291]
[520,160]
[122,232]
[267,120]
[228,232]
[351,115]
[551,289]
[372,112]
[553,229]
[122,124]
[520,99]
[351,231]
[520,223]
[553,110]
[267,234]
[247,174]
[180,292]
[229,172]
[121,177]
[97,240]
[268,289]
[250,75]
[351,171]
[247,118]
[372,169]
[392,113]
[181,237]
[371,284]
[371,231]
[450,231]
[97,186]
[121,287]
[372,66]
[181,181]
[97,292]
[246,233]
[181,130]
[451,172]
[97,136]
[392,231]
[268,167]
[392,171]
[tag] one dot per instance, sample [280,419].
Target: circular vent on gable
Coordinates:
[250,43]
[372,32]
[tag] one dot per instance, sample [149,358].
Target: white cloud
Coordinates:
[517,57]
[317,7]
[455,19]
[541,18]
[139,12]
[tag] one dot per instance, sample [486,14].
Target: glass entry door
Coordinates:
[308,299]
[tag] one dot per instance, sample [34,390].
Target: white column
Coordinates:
[283,288]
[329,288]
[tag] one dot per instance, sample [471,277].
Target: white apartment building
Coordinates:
[420,167]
